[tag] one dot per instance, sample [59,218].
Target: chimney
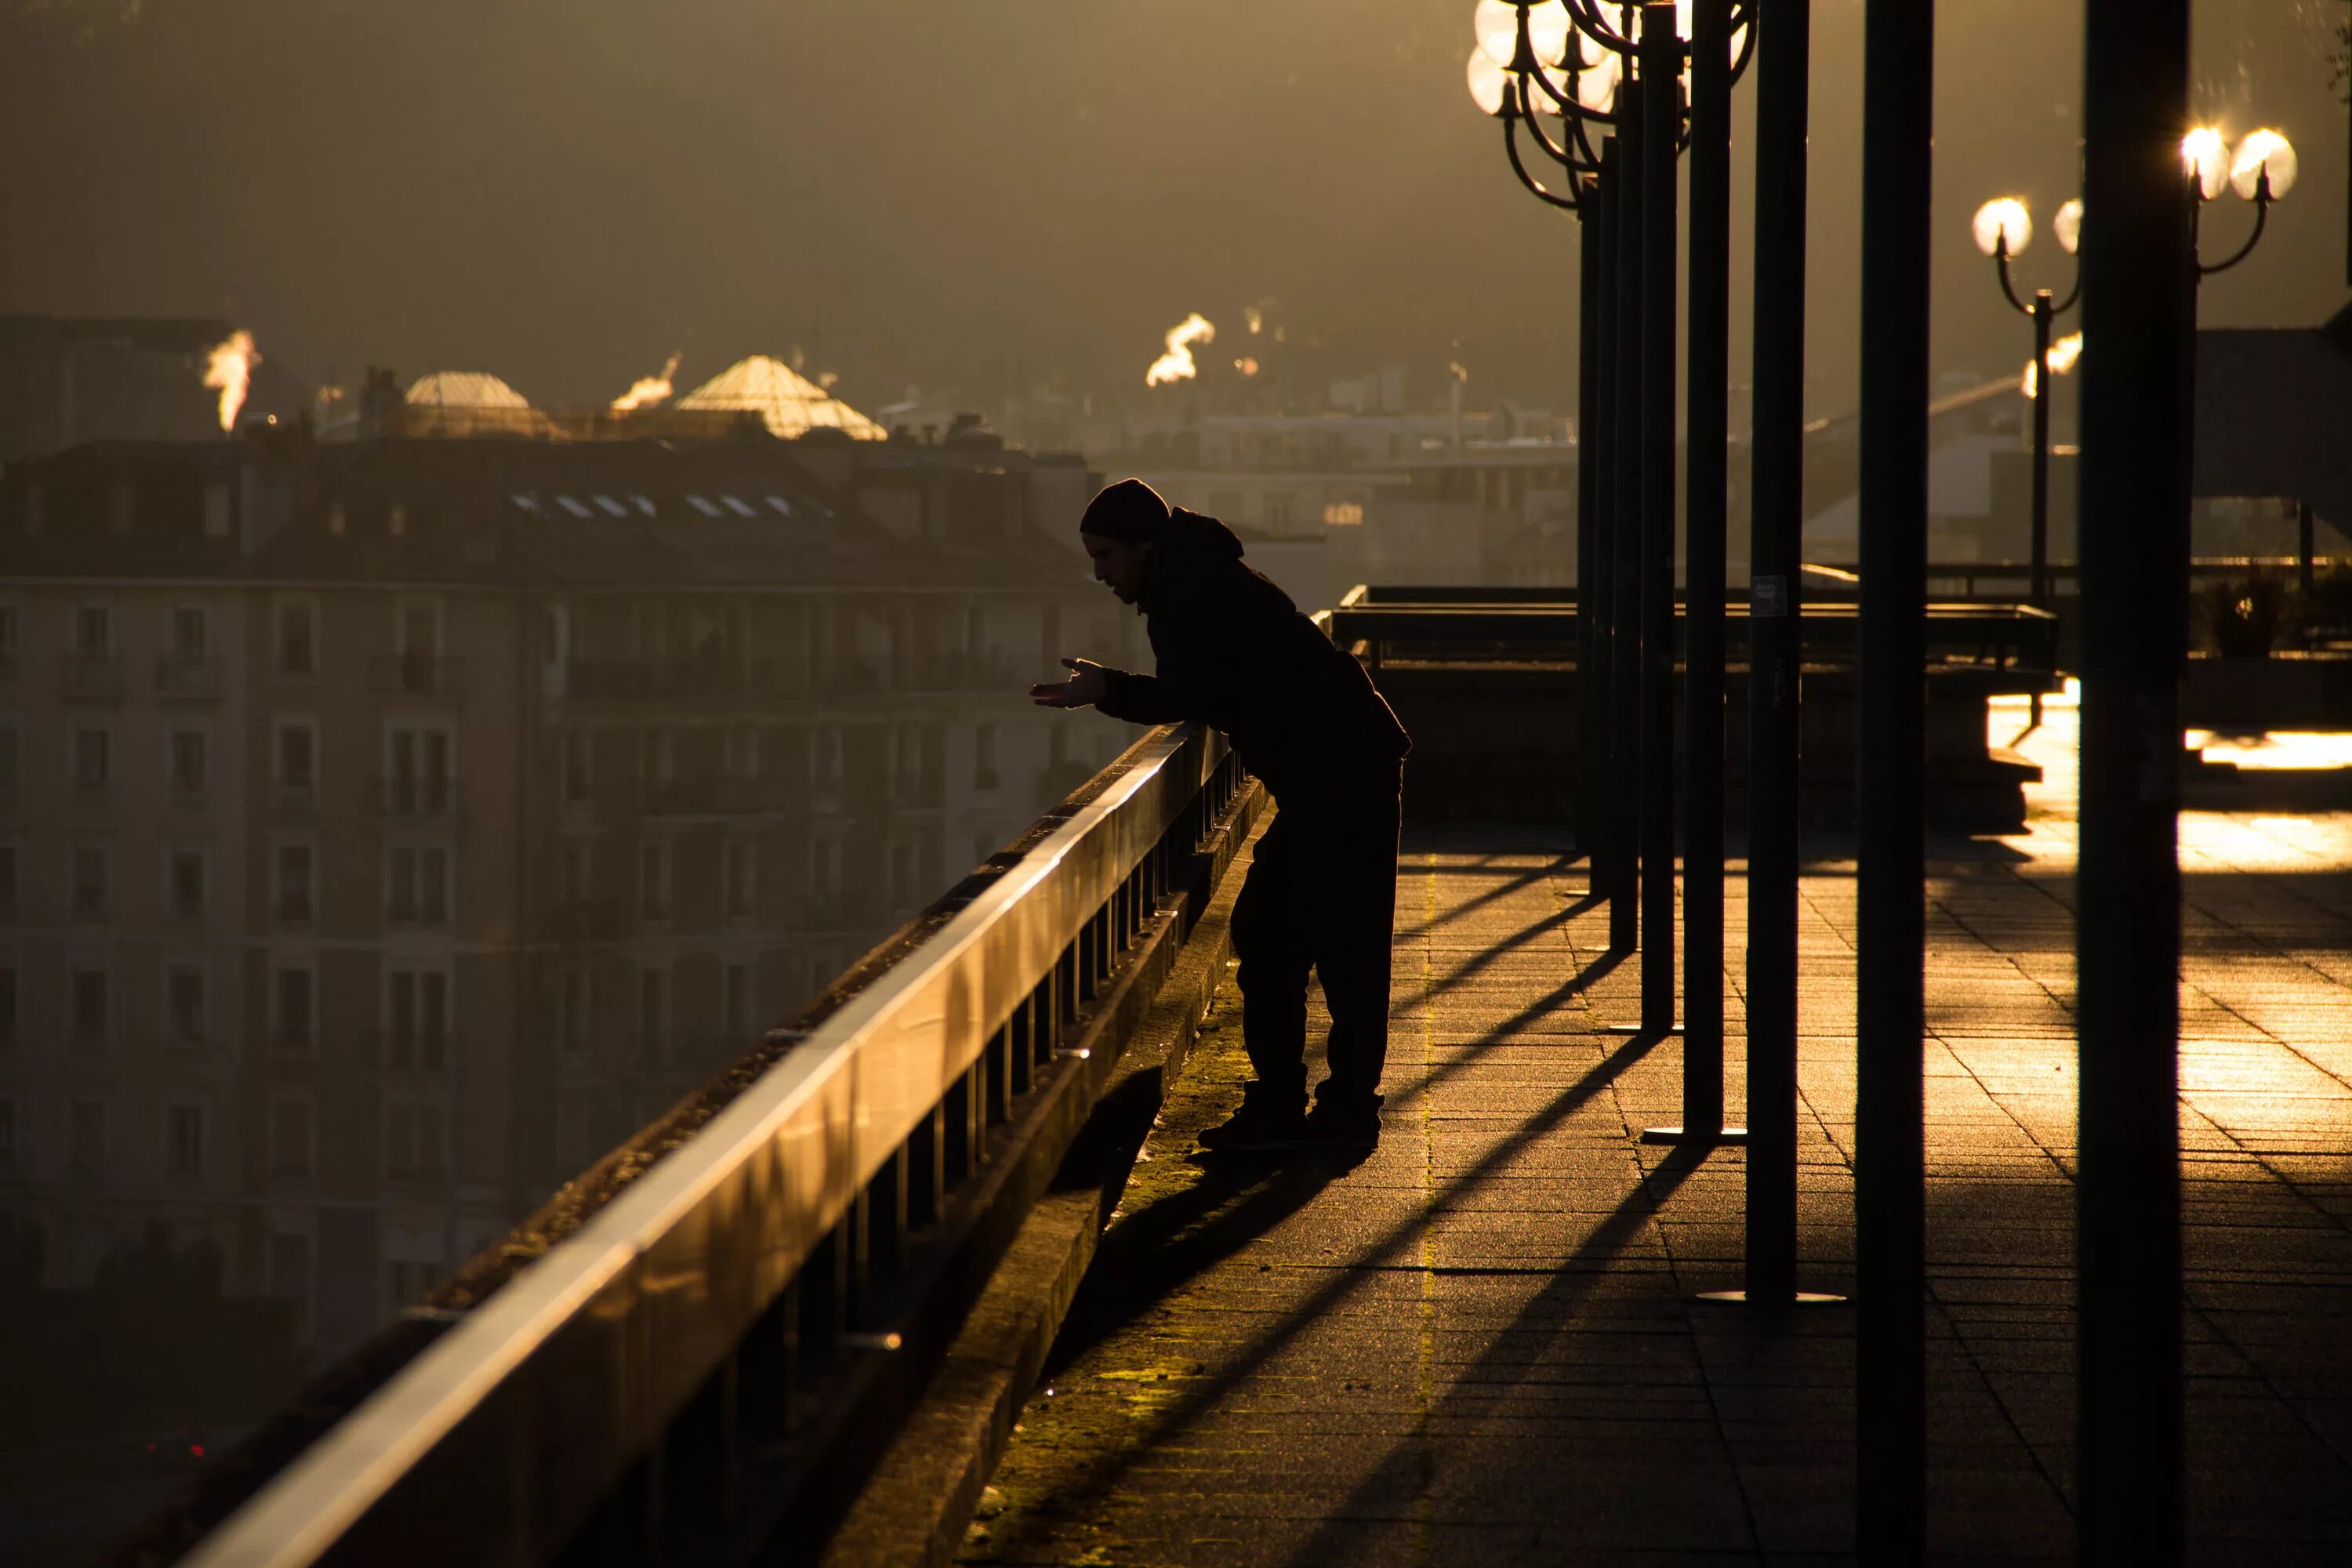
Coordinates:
[379,403]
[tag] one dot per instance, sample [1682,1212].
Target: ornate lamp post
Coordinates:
[1569,58]
[2004,228]
[2259,169]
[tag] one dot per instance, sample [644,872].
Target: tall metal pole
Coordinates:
[1590,279]
[1775,548]
[1626,657]
[2139,326]
[1897,128]
[1661,68]
[2045,313]
[1708,436]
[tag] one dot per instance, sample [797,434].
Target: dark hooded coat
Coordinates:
[1235,654]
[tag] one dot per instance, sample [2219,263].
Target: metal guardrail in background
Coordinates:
[1999,635]
[716,1279]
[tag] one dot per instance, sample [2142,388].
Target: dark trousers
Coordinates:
[1321,895]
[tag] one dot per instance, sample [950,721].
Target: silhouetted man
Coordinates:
[1235,653]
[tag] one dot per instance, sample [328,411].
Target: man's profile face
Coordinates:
[1119,564]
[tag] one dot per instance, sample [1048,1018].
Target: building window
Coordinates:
[191,763]
[653,1009]
[983,758]
[658,763]
[419,772]
[85,1137]
[418,1004]
[8,881]
[293,1019]
[740,758]
[10,1152]
[11,645]
[297,755]
[11,766]
[93,760]
[294,900]
[290,1267]
[576,778]
[191,632]
[575,999]
[93,881]
[92,993]
[187,884]
[418,890]
[296,637]
[293,1128]
[579,875]
[94,631]
[738,1000]
[1343,514]
[742,869]
[903,890]
[183,1141]
[653,881]
[184,1002]
[573,1150]
[10,988]
[412,1142]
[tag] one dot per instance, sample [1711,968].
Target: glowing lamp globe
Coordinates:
[2003,226]
[2205,157]
[1490,84]
[1497,24]
[2068,226]
[2263,152]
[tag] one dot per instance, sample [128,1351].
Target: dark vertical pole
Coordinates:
[1661,68]
[1776,547]
[2139,323]
[2043,313]
[1590,279]
[1598,452]
[1625,658]
[1707,436]
[1897,124]
[2303,546]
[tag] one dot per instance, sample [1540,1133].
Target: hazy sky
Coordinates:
[973,193]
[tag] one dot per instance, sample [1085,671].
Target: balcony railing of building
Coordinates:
[417,675]
[90,676]
[706,1338]
[719,796]
[415,797]
[187,678]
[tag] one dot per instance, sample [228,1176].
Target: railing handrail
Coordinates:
[656,1267]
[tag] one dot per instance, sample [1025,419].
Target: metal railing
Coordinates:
[746,1250]
[1999,637]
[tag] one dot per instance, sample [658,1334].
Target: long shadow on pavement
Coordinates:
[1102,1474]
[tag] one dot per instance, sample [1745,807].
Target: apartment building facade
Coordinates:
[388,829]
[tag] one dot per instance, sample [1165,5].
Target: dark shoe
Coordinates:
[1260,1123]
[1343,1125]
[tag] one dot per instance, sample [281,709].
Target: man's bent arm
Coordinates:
[1142,699]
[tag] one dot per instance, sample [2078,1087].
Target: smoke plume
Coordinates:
[648,390]
[228,370]
[1177,365]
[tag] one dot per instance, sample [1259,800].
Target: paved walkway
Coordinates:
[1479,1346]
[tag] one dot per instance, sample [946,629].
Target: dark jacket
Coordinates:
[1235,653]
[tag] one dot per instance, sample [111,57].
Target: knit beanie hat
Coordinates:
[1130,511]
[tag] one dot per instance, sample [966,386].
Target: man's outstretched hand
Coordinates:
[1086,686]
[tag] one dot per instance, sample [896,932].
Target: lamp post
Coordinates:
[2141,269]
[2004,228]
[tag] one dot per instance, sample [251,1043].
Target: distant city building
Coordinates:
[67,380]
[1339,498]
[389,827]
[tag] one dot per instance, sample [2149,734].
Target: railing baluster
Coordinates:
[998,1058]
